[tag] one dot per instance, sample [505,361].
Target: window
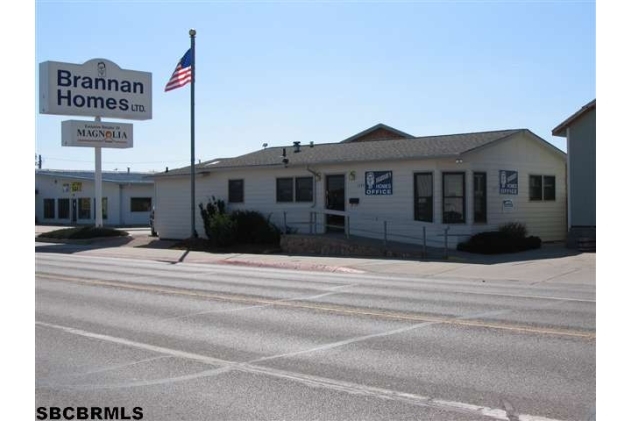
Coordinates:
[453,198]
[284,189]
[140,204]
[63,208]
[542,187]
[549,187]
[49,208]
[103,208]
[424,197]
[84,208]
[479,197]
[299,189]
[304,189]
[235,191]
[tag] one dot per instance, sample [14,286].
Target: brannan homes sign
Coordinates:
[97,88]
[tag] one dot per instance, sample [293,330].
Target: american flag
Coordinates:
[182,74]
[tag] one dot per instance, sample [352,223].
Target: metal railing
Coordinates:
[422,234]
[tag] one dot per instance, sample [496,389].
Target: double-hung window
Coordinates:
[542,187]
[453,198]
[424,197]
[479,197]
[235,191]
[284,189]
[298,189]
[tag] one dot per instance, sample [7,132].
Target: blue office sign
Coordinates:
[508,182]
[378,183]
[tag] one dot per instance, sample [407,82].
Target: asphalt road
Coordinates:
[210,342]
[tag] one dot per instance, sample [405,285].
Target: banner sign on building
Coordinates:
[508,182]
[96,88]
[378,183]
[93,133]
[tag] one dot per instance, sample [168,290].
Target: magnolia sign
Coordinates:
[92,133]
[97,88]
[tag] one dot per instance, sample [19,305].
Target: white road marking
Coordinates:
[232,310]
[309,380]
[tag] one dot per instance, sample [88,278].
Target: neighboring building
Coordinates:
[68,198]
[468,182]
[580,132]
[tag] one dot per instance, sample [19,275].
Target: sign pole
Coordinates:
[192,33]
[98,192]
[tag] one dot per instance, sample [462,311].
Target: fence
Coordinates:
[319,221]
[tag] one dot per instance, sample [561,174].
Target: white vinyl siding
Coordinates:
[522,153]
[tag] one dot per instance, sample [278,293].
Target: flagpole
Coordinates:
[192,33]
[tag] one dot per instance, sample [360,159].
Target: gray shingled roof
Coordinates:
[340,153]
[107,176]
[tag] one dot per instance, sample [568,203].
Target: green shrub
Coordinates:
[254,228]
[82,233]
[514,229]
[497,242]
[224,229]
[212,209]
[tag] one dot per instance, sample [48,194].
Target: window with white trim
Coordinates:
[542,187]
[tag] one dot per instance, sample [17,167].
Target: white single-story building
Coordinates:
[65,197]
[383,183]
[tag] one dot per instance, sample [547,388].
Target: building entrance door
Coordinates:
[335,196]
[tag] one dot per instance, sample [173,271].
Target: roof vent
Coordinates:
[296,147]
[285,160]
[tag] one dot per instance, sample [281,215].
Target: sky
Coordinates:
[285,71]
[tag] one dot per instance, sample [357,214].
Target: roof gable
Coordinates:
[378,132]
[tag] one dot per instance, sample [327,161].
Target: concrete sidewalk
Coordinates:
[550,264]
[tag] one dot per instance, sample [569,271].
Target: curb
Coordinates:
[295,266]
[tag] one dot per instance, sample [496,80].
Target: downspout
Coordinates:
[318,177]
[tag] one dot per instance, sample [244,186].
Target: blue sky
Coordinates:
[285,71]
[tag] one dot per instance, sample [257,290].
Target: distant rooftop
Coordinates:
[118,177]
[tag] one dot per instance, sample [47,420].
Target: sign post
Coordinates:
[97,88]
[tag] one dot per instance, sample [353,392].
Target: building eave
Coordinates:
[560,130]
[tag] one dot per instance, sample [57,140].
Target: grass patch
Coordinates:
[82,233]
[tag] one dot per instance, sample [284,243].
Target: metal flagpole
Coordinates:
[192,33]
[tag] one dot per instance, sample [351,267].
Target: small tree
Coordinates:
[218,226]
